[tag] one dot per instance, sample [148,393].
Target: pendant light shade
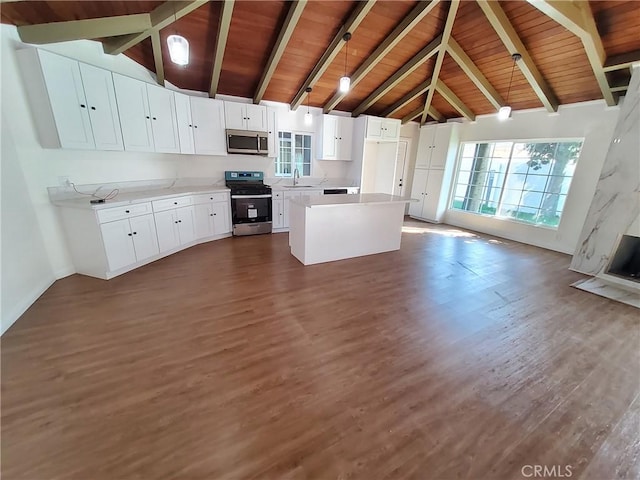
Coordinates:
[505,111]
[345,81]
[178,49]
[308,118]
[345,84]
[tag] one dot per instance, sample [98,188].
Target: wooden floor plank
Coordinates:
[459,356]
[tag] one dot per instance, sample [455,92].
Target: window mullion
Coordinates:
[504,180]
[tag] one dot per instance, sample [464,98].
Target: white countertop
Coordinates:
[287,187]
[129,198]
[337,200]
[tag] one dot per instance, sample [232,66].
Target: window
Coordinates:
[294,152]
[527,182]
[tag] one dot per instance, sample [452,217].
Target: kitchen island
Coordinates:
[334,227]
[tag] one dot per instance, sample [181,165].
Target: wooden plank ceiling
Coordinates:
[557,53]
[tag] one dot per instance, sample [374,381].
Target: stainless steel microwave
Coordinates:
[243,141]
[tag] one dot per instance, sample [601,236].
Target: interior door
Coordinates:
[102,107]
[68,102]
[185,125]
[163,119]
[401,165]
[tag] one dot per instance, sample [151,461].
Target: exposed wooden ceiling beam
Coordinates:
[412,95]
[289,25]
[418,59]
[226,12]
[624,60]
[578,19]
[474,73]
[414,17]
[84,29]
[418,112]
[157,57]
[454,101]
[446,33]
[164,15]
[352,23]
[501,24]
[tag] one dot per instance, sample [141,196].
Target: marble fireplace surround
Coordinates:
[615,209]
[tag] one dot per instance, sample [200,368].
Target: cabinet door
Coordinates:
[145,239]
[374,128]
[68,102]
[417,192]
[185,125]
[441,142]
[432,195]
[329,137]
[163,119]
[167,229]
[102,107]
[278,213]
[221,222]
[208,126]
[204,220]
[235,115]
[186,217]
[272,132]
[345,137]
[118,244]
[256,117]
[288,196]
[390,129]
[135,119]
[425,145]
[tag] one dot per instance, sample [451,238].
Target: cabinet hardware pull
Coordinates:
[154,118]
[147,117]
[211,214]
[93,108]
[191,125]
[195,126]
[127,211]
[175,203]
[135,233]
[82,105]
[179,221]
[175,222]
[129,234]
[214,214]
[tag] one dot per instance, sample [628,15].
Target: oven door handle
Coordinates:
[267,195]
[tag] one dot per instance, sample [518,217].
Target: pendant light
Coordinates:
[345,82]
[505,112]
[308,118]
[178,46]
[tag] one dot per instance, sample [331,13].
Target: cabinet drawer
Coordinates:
[119,213]
[210,197]
[169,203]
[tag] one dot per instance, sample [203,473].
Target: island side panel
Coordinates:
[297,231]
[347,231]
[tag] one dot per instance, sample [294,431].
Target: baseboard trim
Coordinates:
[64,272]
[24,305]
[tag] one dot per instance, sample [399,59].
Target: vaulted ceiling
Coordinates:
[407,59]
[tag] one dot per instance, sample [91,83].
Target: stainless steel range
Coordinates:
[250,203]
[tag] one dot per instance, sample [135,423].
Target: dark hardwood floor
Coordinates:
[459,356]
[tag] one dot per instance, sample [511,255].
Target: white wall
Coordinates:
[30,169]
[593,121]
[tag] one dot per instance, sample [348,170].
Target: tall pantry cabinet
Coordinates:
[435,162]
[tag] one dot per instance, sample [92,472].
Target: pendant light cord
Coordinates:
[516,57]
[346,55]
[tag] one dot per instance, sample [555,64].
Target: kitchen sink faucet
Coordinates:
[296,177]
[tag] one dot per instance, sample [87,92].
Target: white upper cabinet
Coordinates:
[245,116]
[437,145]
[185,123]
[135,117]
[272,132]
[336,135]
[208,126]
[383,129]
[163,119]
[102,107]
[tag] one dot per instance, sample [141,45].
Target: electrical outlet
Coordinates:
[64,181]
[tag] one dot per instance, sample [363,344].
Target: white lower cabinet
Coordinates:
[129,241]
[429,189]
[277,213]
[175,227]
[212,219]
